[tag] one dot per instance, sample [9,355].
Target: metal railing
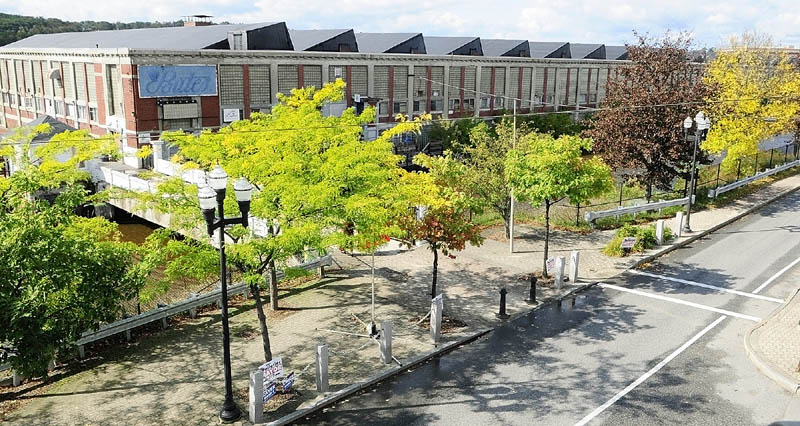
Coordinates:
[715,192]
[161,313]
[592,216]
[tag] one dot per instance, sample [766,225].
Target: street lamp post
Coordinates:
[703,123]
[212,196]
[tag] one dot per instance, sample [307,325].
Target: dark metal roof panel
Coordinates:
[542,49]
[616,52]
[306,39]
[585,50]
[446,45]
[500,47]
[381,42]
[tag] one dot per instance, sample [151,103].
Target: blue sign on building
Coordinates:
[161,81]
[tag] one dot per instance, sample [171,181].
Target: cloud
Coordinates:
[576,20]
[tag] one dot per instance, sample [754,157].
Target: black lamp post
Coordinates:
[703,123]
[212,196]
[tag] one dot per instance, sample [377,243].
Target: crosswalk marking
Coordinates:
[680,302]
[708,286]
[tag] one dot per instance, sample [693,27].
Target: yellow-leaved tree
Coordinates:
[756,95]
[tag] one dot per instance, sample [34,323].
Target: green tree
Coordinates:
[645,104]
[550,170]
[314,178]
[62,274]
[445,225]
[485,159]
[456,135]
[754,97]
[555,124]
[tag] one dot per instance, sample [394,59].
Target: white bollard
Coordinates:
[660,232]
[574,257]
[16,379]
[128,335]
[193,313]
[386,342]
[81,351]
[256,406]
[322,368]
[559,272]
[678,224]
[164,323]
[436,319]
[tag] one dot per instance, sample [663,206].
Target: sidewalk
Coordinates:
[774,345]
[175,376]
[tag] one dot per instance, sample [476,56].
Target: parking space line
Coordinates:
[775,277]
[681,302]
[649,373]
[708,286]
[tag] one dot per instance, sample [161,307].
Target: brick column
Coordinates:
[491,89]
[348,70]
[428,91]
[246,94]
[461,88]
[391,92]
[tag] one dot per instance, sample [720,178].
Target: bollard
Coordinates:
[660,232]
[16,379]
[164,323]
[321,271]
[128,335]
[322,368]
[678,224]
[81,351]
[256,406]
[52,365]
[574,257]
[532,293]
[193,313]
[436,318]
[386,342]
[502,314]
[559,272]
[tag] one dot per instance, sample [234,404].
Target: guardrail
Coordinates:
[163,312]
[714,193]
[592,216]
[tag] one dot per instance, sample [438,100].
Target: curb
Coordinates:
[786,382]
[361,385]
[701,234]
[383,375]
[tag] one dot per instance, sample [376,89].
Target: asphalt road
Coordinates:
[638,350]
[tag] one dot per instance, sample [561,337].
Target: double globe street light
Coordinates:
[211,197]
[703,124]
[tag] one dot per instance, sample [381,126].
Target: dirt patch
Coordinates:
[242,395]
[296,282]
[540,281]
[449,324]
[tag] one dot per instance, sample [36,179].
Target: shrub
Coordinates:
[645,239]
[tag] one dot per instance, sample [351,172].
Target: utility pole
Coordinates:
[511,213]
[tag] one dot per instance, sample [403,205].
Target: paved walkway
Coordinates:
[175,376]
[774,344]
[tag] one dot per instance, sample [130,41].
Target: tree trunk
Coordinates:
[546,236]
[649,191]
[506,214]
[273,287]
[435,270]
[262,321]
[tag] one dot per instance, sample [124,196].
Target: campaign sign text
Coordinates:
[272,370]
[286,386]
[269,391]
[177,80]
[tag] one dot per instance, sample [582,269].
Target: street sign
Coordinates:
[628,242]
[357,98]
[551,263]
[269,391]
[272,370]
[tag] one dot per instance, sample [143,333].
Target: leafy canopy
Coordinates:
[755,95]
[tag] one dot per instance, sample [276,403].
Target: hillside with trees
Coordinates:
[17,27]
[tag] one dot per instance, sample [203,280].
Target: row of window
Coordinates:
[54,107]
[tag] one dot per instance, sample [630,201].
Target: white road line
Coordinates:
[647,375]
[708,286]
[681,302]
[775,277]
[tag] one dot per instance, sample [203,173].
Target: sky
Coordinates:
[710,22]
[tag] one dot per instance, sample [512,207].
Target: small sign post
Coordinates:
[272,369]
[628,243]
[287,383]
[551,263]
[269,391]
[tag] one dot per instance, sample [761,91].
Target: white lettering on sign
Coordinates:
[272,370]
[286,386]
[628,242]
[269,391]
